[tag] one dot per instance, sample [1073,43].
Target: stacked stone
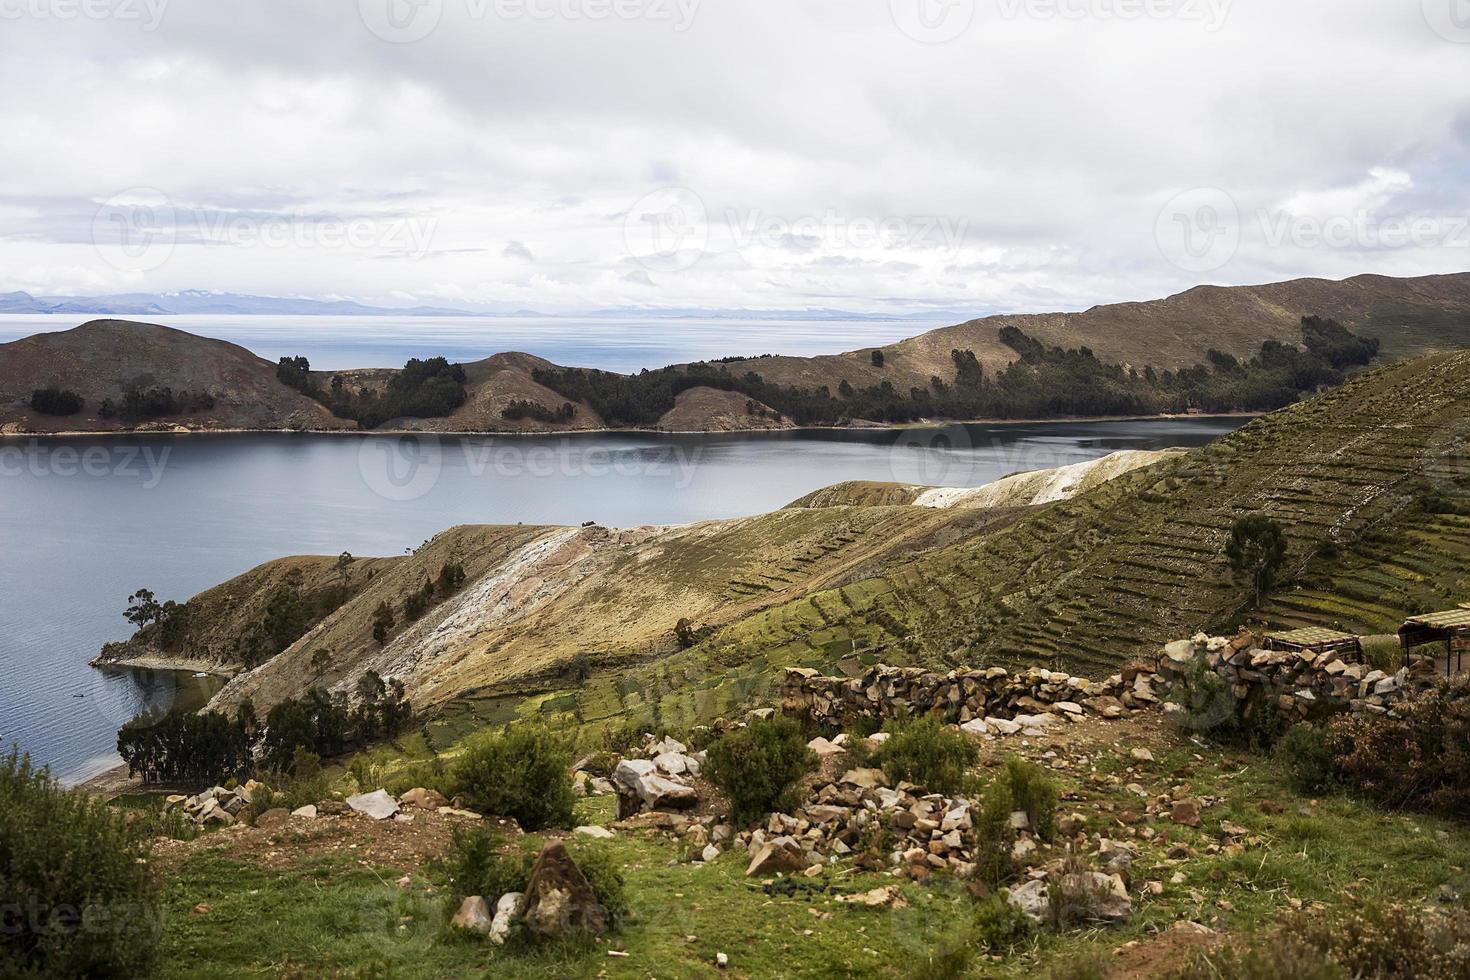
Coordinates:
[1303,684]
[961,695]
[215,805]
[921,832]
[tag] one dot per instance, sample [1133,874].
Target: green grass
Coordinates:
[336,916]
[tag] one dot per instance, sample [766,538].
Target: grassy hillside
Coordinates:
[1090,582]
[104,359]
[585,620]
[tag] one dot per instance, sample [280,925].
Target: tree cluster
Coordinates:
[155,402]
[56,401]
[1042,382]
[425,389]
[212,747]
[521,409]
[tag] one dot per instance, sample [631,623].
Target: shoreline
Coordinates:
[465,433]
[178,665]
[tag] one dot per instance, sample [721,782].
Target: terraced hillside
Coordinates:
[586,622]
[1090,582]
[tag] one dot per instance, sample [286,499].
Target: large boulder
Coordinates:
[1031,899]
[641,786]
[780,854]
[559,900]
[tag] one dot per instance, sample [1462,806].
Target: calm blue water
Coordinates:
[334,343]
[85,522]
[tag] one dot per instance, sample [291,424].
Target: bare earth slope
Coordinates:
[101,359]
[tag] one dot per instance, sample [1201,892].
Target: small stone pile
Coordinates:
[963,695]
[216,805]
[1302,684]
[926,831]
[659,782]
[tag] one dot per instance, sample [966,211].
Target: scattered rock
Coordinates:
[1186,812]
[378,804]
[423,799]
[473,916]
[308,812]
[508,912]
[600,833]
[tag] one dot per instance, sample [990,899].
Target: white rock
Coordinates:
[473,915]
[600,833]
[507,911]
[308,811]
[379,804]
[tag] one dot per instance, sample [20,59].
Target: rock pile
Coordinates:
[1302,685]
[659,782]
[904,827]
[216,806]
[962,696]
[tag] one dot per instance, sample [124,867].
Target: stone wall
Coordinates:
[1302,685]
[963,695]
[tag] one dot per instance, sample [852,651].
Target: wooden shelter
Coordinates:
[1317,639]
[1452,628]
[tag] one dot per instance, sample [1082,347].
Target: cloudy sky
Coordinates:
[890,156]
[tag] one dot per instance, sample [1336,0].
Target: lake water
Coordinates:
[335,343]
[85,522]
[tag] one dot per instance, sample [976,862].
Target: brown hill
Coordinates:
[1410,316]
[100,360]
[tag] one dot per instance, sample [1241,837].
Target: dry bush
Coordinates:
[1420,759]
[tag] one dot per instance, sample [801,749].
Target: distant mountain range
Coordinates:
[201,302]
[104,360]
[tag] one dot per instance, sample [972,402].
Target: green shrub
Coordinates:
[1306,755]
[929,753]
[76,896]
[1083,966]
[478,864]
[759,766]
[605,875]
[1389,942]
[520,771]
[1034,791]
[999,926]
[306,784]
[994,863]
[1420,759]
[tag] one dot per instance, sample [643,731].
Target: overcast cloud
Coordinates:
[874,155]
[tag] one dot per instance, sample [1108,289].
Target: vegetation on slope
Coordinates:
[1041,382]
[427,389]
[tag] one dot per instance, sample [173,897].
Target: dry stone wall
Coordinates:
[961,696]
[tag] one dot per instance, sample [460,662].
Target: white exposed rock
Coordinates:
[308,811]
[1030,899]
[378,804]
[507,911]
[824,748]
[709,853]
[1004,726]
[600,833]
[975,726]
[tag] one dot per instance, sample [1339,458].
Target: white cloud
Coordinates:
[1050,141]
